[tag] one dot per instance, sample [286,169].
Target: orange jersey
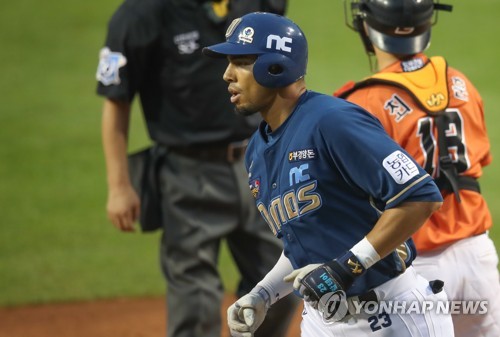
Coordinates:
[403,114]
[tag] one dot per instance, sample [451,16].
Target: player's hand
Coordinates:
[333,276]
[123,208]
[247,314]
[296,277]
[314,281]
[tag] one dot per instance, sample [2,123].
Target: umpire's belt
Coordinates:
[230,153]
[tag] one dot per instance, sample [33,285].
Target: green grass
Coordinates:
[56,243]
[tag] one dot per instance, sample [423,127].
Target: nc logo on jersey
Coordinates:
[400,167]
[108,70]
[298,174]
[255,188]
[280,43]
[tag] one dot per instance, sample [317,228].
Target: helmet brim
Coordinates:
[228,48]
[404,45]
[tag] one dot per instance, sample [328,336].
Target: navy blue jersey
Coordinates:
[322,179]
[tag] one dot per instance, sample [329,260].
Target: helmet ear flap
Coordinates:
[276,70]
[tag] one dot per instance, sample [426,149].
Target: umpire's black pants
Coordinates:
[204,202]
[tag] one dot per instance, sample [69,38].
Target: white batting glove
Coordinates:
[296,277]
[248,313]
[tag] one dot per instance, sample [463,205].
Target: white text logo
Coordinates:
[404,30]
[280,43]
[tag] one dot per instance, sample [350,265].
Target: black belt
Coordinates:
[229,153]
[462,183]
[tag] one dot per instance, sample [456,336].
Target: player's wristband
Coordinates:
[264,294]
[365,253]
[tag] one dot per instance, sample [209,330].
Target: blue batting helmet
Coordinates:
[280,46]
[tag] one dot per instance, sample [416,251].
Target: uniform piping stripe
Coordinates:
[407,188]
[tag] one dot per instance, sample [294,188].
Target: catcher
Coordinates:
[436,114]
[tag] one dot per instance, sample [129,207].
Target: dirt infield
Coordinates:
[142,317]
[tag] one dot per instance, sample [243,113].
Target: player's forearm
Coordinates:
[393,228]
[273,282]
[397,224]
[115,124]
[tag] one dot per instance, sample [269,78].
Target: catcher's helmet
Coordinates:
[280,46]
[400,27]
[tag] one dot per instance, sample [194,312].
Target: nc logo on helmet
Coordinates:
[280,43]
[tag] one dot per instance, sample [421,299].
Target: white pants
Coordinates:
[469,270]
[408,288]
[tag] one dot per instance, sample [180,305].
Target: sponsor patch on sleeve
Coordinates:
[459,89]
[400,167]
[255,188]
[109,66]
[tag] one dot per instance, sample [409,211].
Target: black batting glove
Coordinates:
[331,277]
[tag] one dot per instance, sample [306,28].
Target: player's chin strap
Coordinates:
[357,25]
[367,44]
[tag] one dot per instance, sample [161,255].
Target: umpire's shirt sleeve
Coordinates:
[133,33]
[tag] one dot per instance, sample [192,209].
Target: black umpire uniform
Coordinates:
[153,48]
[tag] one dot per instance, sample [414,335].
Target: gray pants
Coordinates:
[204,202]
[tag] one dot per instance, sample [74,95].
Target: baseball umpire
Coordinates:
[436,114]
[153,49]
[335,188]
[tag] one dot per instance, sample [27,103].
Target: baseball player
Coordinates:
[436,114]
[334,187]
[153,50]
